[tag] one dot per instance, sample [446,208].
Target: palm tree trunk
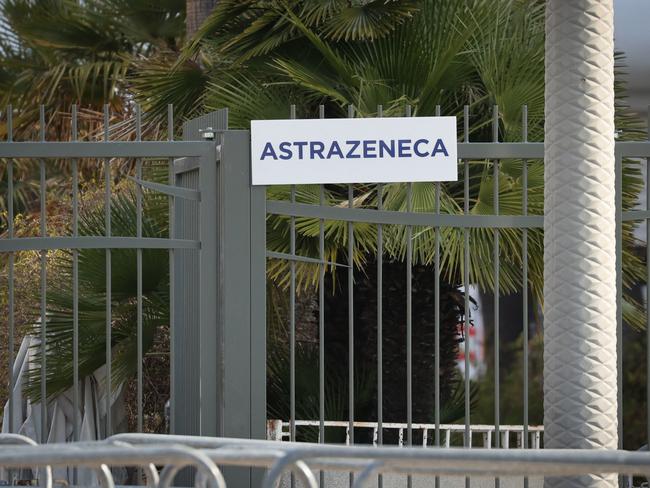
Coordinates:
[394,339]
[580,326]
[196,11]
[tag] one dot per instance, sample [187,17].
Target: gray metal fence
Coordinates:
[279,430]
[217,245]
[210,455]
[101,154]
[301,208]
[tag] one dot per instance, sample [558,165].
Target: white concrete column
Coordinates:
[580,400]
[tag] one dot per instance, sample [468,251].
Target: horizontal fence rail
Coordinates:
[358,207]
[279,430]
[311,215]
[210,455]
[114,151]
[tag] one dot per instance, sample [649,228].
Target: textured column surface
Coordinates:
[580,401]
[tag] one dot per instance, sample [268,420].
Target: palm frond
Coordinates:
[92,300]
[367,20]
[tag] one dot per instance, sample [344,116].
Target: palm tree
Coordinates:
[257,57]
[61,52]
[92,303]
[56,53]
[196,13]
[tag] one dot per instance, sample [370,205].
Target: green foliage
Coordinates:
[635,389]
[512,386]
[253,28]
[57,53]
[257,57]
[438,54]
[92,298]
[307,384]
[60,52]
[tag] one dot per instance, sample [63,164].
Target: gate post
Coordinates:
[219,341]
[580,365]
[241,299]
[241,291]
[194,278]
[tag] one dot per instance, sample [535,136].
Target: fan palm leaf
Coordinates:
[92,299]
[483,55]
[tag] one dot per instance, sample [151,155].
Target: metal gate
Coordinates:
[199,188]
[219,367]
[433,224]
[302,209]
[218,256]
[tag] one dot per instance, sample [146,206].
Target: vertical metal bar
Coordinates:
[525,275]
[436,264]
[10,270]
[292,320]
[321,318]
[467,441]
[436,298]
[75,285]
[138,200]
[321,313]
[214,408]
[524,252]
[409,318]
[43,219]
[619,293]
[647,288]
[240,339]
[172,290]
[257,303]
[497,430]
[619,296]
[107,221]
[380,326]
[351,312]
[258,312]
[292,306]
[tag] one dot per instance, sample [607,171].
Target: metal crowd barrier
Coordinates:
[208,455]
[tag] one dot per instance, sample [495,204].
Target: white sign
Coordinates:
[377,150]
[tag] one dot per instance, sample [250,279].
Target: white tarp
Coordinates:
[60,413]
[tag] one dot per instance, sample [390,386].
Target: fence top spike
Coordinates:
[41,122]
[10,123]
[73,117]
[170,121]
[106,121]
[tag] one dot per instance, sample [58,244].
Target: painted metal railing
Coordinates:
[279,430]
[211,455]
[251,342]
[490,156]
[102,154]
